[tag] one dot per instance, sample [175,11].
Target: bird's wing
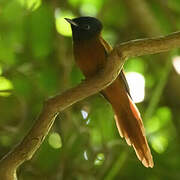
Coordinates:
[108,49]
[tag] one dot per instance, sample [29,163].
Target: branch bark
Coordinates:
[31,142]
[150,45]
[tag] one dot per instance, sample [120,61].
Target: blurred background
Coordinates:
[36,62]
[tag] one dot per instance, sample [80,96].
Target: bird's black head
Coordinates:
[85,28]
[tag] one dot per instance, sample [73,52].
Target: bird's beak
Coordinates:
[71,22]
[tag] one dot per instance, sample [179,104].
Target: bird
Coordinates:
[90,53]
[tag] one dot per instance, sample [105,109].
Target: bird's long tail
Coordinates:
[128,121]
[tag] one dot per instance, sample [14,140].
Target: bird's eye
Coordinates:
[87,27]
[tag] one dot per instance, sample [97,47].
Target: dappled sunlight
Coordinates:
[62,26]
[159,143]
[160,119]
[156,127]
[136,83]
[99,159]
[88,121]
[85,155]
[30,4]
[176,63]
[84,114]
[54,140]
[153,125]
[5,85]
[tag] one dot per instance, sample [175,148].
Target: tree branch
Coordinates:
[26,149]
[150,46]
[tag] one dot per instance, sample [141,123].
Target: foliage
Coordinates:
[36,62]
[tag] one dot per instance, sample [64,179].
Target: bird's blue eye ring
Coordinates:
[87,27]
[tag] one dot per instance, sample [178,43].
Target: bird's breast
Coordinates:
[90,56]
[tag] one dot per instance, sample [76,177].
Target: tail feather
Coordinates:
[130,127]
[129,122]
